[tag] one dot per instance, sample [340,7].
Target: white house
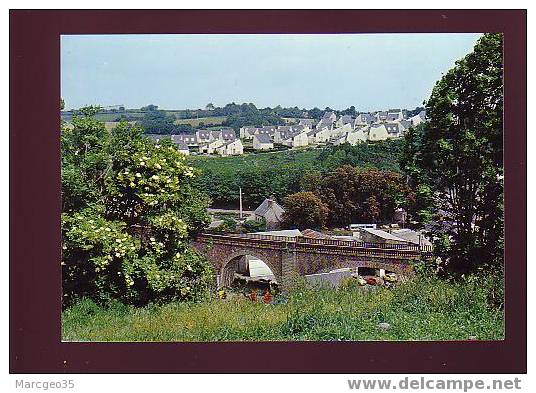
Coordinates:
[340,131]
[225,134]
[394,115]
[328,120]
[357,136]
[418,119]
[404,125]
[346,119]
[393,130]
[213,146]
[262,142]
[183,148]
[285,132]
[270,211]
[248,132]
[297,139]
[319,136]
[231,148]
[378,132]
[364,119]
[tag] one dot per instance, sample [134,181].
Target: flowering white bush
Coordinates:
[128,238]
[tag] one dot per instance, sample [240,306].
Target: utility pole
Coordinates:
[240,190]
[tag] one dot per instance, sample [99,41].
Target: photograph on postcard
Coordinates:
[282,187]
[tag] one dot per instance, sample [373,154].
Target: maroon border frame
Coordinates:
[35,274]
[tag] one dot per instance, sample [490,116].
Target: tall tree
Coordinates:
[456,159]
[355,194]
[304,210]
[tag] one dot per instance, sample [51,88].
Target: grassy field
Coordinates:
[420,309]
[204,120]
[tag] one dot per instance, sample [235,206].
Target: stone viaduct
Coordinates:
[289,256]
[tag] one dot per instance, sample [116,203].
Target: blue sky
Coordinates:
[369,71]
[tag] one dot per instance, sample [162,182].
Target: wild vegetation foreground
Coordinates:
[425,308]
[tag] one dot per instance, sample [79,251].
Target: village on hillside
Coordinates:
[331,129]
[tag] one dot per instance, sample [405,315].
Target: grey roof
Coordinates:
[263,138]
[411,236]
[270,204]
[422,114]
[327,115]
[382,234]
[392,128]
[189,139]
[229,141]
[405,123]
[321,124]
[287,134]
[392,116]
[228,134]
[382,115]
[270,130]
[347,119]
[284,232]
[306,122]
[251,130]
[366,117]
[284,128]
[204,134]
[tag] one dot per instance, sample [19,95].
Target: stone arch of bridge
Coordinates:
[230,265]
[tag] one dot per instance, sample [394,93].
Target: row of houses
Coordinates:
[330,129]
[223,142]
[376,126]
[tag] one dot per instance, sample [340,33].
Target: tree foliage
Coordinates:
[129,209]
[456,159]
[158,122]
[249,115]
[354,194]
[304,210]
[287,172]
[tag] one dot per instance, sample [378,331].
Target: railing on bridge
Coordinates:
[320,242]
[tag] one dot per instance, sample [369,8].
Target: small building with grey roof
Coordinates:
[270,211]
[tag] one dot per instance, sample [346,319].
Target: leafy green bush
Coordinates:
[254,226]
[128,238]
[228,225]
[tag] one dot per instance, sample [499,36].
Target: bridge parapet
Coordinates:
[349,247]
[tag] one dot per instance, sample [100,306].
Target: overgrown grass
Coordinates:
[420,309]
